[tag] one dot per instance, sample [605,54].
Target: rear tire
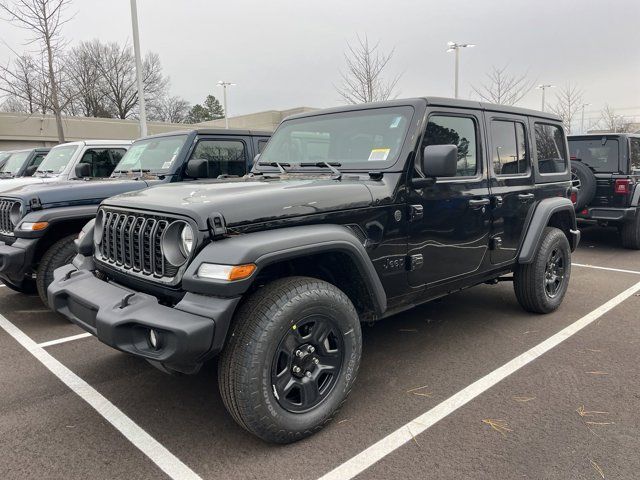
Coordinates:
[541,285]
[271,381]
[630,233]
[59,254]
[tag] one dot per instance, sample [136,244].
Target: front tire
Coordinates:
[540,286]
[291,359]
[58,255]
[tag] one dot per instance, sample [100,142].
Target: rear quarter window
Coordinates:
[550,149]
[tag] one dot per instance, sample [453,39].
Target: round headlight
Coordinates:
[15,213]
[186,240]
[98,228]
[177,242]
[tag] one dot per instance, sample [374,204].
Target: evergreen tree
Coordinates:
[211,110]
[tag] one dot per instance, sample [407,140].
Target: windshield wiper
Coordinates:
[278,165]
[330,165]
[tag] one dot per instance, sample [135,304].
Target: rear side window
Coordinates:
[634,155]
[459,131]
[601,154]
[550,149]
[224,157]
[509,148]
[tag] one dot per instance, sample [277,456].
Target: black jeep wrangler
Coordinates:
[349,215]
[606,171]
[39,222]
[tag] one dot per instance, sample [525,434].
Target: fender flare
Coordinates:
[272,246]
[539,220]
[58,215]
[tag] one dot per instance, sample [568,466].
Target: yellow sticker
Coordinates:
[379,154]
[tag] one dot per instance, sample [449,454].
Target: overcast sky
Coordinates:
[288,53]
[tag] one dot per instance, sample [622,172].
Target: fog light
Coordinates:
[154,339]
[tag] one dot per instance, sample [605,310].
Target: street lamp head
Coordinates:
[545,85]
[453,46]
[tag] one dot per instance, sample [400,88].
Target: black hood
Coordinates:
[250,200]
[75,192]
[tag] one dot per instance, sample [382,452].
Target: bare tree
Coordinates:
[169,109]
[612,121]
[568,104]
[43,19]
[86,87]
[364,79]
[23,83]
[504,88]
[116,65]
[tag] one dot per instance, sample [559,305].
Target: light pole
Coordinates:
[224,86]
[455,47]
[543,87]
[136,50]
[582,117]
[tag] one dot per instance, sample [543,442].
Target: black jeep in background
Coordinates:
[606,171]
[350,214]
[39,223]
[19,163]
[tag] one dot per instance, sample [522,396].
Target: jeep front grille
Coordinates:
[133,242]
[6,226]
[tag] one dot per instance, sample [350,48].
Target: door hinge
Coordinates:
[414,262]
[495,243]
[415,212]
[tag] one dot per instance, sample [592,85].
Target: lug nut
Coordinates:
[311,349]
[296,369]
[316,361]
[298,353]
[308,374]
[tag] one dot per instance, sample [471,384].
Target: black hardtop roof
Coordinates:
[37,149]
[434,101]
[211,131]
[600,135]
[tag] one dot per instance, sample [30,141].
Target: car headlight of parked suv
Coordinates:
[177,242]
[16,213]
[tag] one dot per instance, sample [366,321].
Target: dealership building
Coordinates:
[21,130]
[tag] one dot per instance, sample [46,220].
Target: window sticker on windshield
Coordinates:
[166,165]
[379,154]
[396,122]
[135,152]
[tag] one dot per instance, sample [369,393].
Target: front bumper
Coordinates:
[607,214]
[189,333]
[16,260]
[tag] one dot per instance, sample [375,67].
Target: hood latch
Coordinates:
[217,225]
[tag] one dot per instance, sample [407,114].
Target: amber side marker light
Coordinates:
[227,273]
[34,227]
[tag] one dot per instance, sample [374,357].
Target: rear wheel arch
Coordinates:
[555,212]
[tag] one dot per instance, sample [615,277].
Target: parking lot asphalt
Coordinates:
[571,413]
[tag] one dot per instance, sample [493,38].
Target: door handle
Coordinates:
[526,196]
[481,202]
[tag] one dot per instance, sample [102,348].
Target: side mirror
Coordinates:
[30,170]
[83,170]
[440,160]
[197,168]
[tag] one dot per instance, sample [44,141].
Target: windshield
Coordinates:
[601,154]
[153,154]
[15,162]
[57,159]
[360,139]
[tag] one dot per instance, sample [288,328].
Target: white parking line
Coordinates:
[406,433]
[157,453]
[586,265]
[64,340]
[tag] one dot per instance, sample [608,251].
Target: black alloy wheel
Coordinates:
[307,363]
